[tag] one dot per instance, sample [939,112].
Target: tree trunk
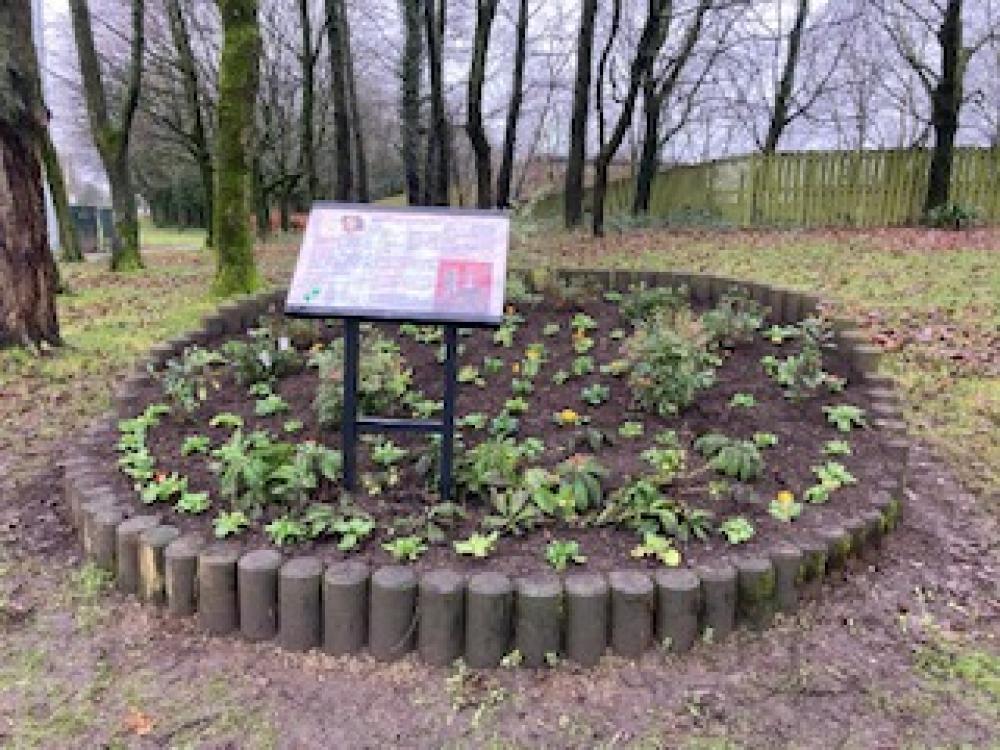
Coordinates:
[946,99]
[68,240]
[261,200]
[412,54]
[112,139]
[344,180]
[192,98]
[27,272]
[650,41]
[786,86]
[236,270]
[438,156]
[485,13]
[649,156]
[357,130]
[514,109]
[307,60]
[576,163]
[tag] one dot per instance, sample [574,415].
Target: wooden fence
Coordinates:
[808,189]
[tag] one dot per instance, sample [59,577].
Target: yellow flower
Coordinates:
[567,416]
[785,497]
[532,354]
[515,367]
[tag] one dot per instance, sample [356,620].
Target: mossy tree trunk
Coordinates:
[27,271]
[112,137]
[236,270]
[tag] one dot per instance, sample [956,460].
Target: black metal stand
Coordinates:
[352,423]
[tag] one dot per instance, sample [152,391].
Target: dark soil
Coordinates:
[801,428]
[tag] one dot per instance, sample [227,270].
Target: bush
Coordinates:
[260,360]
[734,320]
[951,216]
[383,379]
[641,302]
[669,362]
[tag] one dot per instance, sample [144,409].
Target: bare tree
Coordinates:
[780,107]
[576,162]
[27,271]
[112,137]
[486,11]
[413,51]
[343,165]
[514,107]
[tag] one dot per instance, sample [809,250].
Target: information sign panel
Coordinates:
[422,264]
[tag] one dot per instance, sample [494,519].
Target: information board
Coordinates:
[425,264]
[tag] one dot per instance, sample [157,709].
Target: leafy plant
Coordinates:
[736,530]
[270,405]
[743,400]
[226,419]
[641,303]
[425,408]
[660,547]
[581,475]
[193,502]
[837,448]
[800,375]
[353,530]
[517,405]
[513,511]
[953,216]
[492,365]
[582,344]
[504,336]
[493,463]
[784,507]
[195,444]
[615,368]
[560,553]
[666,463]
[383,379]
[550,329]
[582,322]
[739,460]
[630,430]
[669,363]
[833,475]
[470,374]
[582,365]
[405,548]
[286,530]
[521,387]
[477,545]
[164,488]
[228,524]
[734,320]
[778,334]
[560,376]
[845,417]
[186,379]
[595,394]
[765,439]
[292,426]
[385,453]
[504,425]
[261,359]
[476,421]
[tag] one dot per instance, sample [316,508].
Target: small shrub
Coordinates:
[560,553]
[641,303]
[951,216]
[383,379]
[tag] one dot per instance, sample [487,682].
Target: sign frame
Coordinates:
[386,315]
[352,423]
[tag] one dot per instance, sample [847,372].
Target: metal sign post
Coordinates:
[352,423]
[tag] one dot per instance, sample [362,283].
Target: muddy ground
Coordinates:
[903,654]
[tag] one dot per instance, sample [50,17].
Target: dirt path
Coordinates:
[903,654]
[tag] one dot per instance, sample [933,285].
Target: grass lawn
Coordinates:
[80,669]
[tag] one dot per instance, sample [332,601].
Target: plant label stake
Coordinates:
[436,266]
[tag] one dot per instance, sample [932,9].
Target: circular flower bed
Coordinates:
[608,425]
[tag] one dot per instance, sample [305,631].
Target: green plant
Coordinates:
[615,368]
[193,502]
[560,553]
[743,400]
[582,322]
[581,476]
[195,444]
[666,463]
[660,547]
[261,359]
[492,365]
[228,524]
[559,377]
[477,545]
[582,365]
[630,430]
[765,439]
[616,334]
[739,460]
[186,379]
[476,421]
[784,507]
[736,530]
[582,344]
[595,394]
[641,303]
[734,320]
[295,477]
[164,488]
[516,405]
[513,511]
[669,363]
[270,405]
[845,417]
[470,374]
[286,530]
[353,530]
[521,387]
[550,329]
[425,408]
[833,475]
[800,375]
[836,448]
[504,335]
[780,334]
[386,453]
[504,425]
[951,216]
[493,463]
[405,548]
[383,379]
[292,426]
